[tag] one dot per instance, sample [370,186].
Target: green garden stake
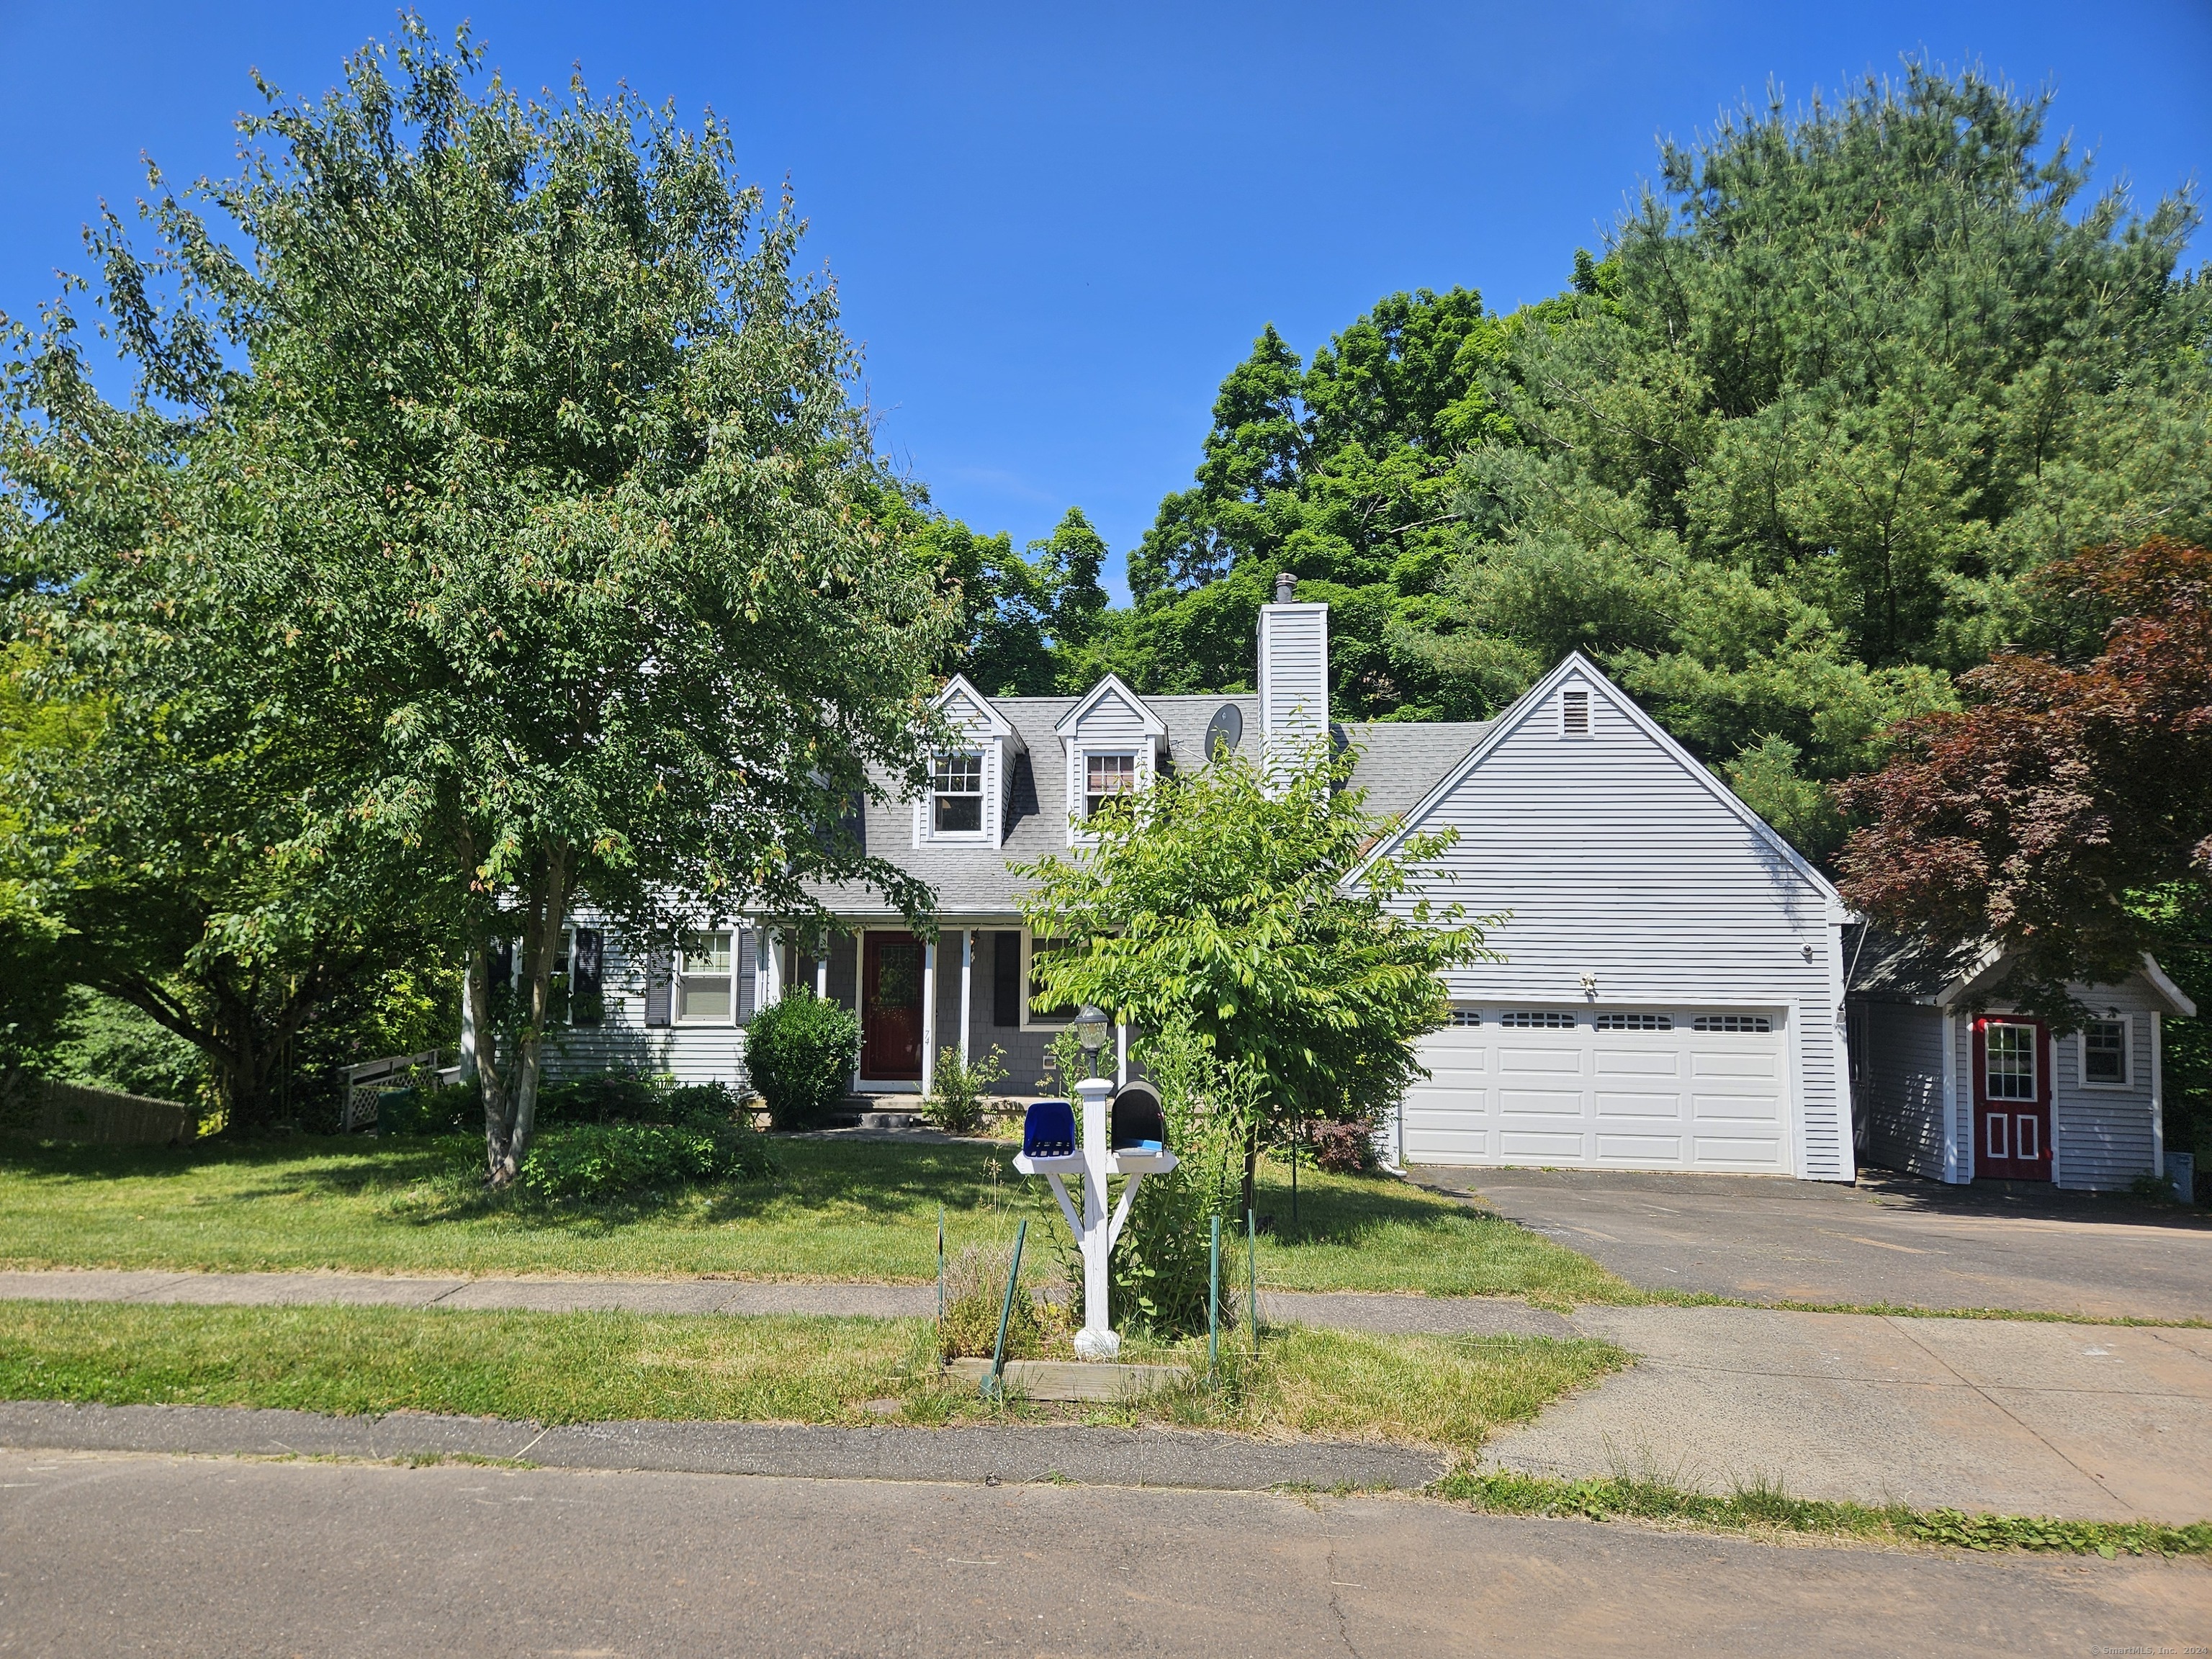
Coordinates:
[1213,1305]
[1252,1270]
[993,1383]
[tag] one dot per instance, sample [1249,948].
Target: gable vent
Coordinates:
[1574,715]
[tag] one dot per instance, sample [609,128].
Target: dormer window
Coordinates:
[955,785]
[1105,776]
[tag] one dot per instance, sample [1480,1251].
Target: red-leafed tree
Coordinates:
[2070,803]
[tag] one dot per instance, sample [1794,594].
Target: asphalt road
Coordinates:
[1890,1240]
[105,1554]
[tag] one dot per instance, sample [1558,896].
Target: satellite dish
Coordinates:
[1226,730]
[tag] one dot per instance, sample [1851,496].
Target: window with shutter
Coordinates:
[659,988]
[586,994]
[1006,979]
[750,958]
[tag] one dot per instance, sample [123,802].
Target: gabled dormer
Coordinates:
[971,781]
[1112,741]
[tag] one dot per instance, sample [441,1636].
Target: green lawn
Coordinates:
[556,1368]
[840,1210]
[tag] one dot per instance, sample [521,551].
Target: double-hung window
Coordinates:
[1105,776]
[703,983]
[2105,1053]
[956,792]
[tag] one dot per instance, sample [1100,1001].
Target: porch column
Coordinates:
[1121,1054]
[967,986]
[822,967]
[928,1015]
[469,1025]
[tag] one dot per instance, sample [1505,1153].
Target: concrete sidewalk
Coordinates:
[2094,1422]
[1385,1314]
[2090,1422]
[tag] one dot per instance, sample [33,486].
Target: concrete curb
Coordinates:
[1085,1455]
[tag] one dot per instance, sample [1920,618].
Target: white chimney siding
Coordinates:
[1293,680]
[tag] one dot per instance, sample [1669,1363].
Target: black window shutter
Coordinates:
[1006,979]
[586,1003]
[742,961]
[657,1000]
[502,964]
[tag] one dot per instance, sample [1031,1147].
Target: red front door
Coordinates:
[891,1008]
[2012,1099]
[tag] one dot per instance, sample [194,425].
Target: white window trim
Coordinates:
[1079,781]
[2126,1086]
[994,751]
[676,1018]
[2035,1061]
[985,831]
[1035,1022]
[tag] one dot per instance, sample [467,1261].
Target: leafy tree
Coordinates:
[2068,809]
[1030,621]
[1791,452]
[1782,461]
[1341,472]
[519,466]
[1222,900]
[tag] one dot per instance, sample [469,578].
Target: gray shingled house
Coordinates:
[1671,995]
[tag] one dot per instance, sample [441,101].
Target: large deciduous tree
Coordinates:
[1223,901]
[2066,812]
[510,455]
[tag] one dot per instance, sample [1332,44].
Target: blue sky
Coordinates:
[1055,228]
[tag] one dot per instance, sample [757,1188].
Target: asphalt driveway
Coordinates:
[1889,1240]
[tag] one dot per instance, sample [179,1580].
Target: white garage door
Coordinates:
[1646,1089]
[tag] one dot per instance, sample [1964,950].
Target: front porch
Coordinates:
[966,990]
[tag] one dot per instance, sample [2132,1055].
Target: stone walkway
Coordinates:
[2098,1422]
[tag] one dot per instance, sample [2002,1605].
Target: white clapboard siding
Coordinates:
[1293,674]
[1618,858]
[1903,1087]
[622,1042]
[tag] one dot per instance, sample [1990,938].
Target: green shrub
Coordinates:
[800,1052]
[959,1098]
[602,1098]
[704,1104]
[447,1108]
[1162,1260]
[607,1160]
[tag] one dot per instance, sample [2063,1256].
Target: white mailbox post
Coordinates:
[1095,1159]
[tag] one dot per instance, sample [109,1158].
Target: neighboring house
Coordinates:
[1956,1088]
[1670,995]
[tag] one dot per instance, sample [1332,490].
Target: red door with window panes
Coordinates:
[2012,1099]
[890,1007]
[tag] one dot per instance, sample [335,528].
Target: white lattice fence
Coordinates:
[364,1082]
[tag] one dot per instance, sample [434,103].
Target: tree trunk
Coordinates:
[541,917]
[491,1063]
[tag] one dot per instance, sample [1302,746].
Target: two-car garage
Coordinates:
[1698,1089]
